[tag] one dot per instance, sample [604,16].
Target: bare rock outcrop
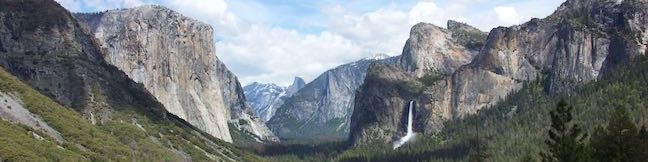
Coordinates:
[174,58]
[433,49]
[579,43]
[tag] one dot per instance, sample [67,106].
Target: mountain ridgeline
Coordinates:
[145,84]
[81,107]
[174,57]
[577,44]
[322,108]
[266,98]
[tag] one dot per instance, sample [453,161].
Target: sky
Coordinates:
[272,41]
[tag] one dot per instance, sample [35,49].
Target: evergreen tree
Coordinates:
[528,158]
[480,152]
[566,140]
[620,141]
[643,135]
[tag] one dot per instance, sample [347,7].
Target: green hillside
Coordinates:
[126,138]
[514,129]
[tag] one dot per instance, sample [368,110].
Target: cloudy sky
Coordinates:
[271,41]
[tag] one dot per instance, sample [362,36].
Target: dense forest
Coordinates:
[600,121]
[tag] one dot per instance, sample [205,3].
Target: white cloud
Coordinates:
[257,49]
[427,12]
[384,30]
[507,15]
[214,12]
[98,5]
[272,54]
[72,5]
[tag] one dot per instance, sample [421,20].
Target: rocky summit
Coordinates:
[430,54]
[54,79]
[322,109]
[174,58]
[265,98]
[148,84]
[434,49]
[577,44]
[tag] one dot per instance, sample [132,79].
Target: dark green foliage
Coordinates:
[467,36]
[643,134]
[528,158]
[480,151]
[429,78]
[302,150]
[17,144]
[409,88]
[423,149]
[41,14]
[516,127]
[566,142]
[620,141]
[128,137]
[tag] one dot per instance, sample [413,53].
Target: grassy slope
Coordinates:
[118,140]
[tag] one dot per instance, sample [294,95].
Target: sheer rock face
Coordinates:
[174,58]
[266,98]
[43,45]
[322,109]
[241,115]
[575,45]
[381,103]
[432,48]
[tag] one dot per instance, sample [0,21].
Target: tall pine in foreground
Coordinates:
[643,135]
[620,141]
[566,142]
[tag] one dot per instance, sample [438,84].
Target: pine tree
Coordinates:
[528,158]
[480,153]
[620,141]
[643,135]
[566,141]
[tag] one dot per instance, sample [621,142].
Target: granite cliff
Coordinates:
[87,109]
[174,58]
[577,44]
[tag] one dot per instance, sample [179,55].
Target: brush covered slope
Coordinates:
[579,43]
[174,57]
[37,128]
[96,113]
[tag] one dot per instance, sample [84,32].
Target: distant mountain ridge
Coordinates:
[265,98]
[321,109]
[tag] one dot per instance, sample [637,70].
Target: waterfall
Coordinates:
[410,131]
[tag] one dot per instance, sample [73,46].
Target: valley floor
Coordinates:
[513,130]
